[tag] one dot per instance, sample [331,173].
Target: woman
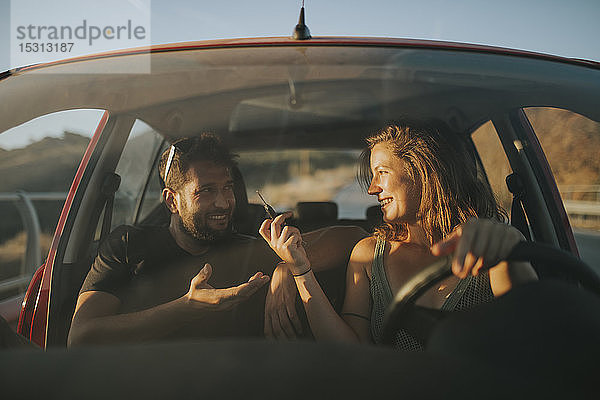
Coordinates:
[431,196]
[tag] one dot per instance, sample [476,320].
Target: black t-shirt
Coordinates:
[144,267]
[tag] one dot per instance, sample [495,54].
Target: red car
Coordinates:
[297,112]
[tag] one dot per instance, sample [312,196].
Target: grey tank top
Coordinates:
[469,292]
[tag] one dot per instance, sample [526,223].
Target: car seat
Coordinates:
[311,215]
[374,217]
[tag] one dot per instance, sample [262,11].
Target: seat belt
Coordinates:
[517,211]
[109,188]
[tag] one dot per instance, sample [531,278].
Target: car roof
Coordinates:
[244,89]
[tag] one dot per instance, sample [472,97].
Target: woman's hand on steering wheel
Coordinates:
[478,244]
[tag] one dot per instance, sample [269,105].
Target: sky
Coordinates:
[565,28]
[568,28]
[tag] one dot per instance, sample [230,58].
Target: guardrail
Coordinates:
[33,258]
[568,192]
[584,208]
[582,203]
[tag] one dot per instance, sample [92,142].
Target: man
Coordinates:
[190,280]
[152,283]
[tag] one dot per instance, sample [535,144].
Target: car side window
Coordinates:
[570,142]
[137,171]
[38,160]
[495,163]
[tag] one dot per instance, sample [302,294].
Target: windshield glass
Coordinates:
[285,178]
[298,116]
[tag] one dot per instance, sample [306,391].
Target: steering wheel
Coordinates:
[402,313]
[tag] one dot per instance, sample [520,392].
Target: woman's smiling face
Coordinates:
[398,195]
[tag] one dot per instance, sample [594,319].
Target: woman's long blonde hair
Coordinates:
[451,186]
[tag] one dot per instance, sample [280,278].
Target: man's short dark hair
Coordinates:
[206,147]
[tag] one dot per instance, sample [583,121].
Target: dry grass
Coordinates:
[571,143]
[12,252]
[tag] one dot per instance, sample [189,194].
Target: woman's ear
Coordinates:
[171,200]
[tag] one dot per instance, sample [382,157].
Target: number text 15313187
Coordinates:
[48,47]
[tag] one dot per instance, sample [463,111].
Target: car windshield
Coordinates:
[288,177]
[297,117]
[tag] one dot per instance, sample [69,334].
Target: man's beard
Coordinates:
[195,226]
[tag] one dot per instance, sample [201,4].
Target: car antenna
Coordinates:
[301,32]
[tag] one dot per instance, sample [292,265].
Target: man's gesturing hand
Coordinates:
[204,296]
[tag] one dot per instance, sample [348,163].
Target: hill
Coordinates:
[44,166]
[571,143]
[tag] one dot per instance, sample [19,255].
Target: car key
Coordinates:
[269,210]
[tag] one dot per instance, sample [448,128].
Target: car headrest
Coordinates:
[374,215]
[316,211]
[249,224]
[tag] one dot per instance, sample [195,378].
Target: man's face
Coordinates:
[206,201]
